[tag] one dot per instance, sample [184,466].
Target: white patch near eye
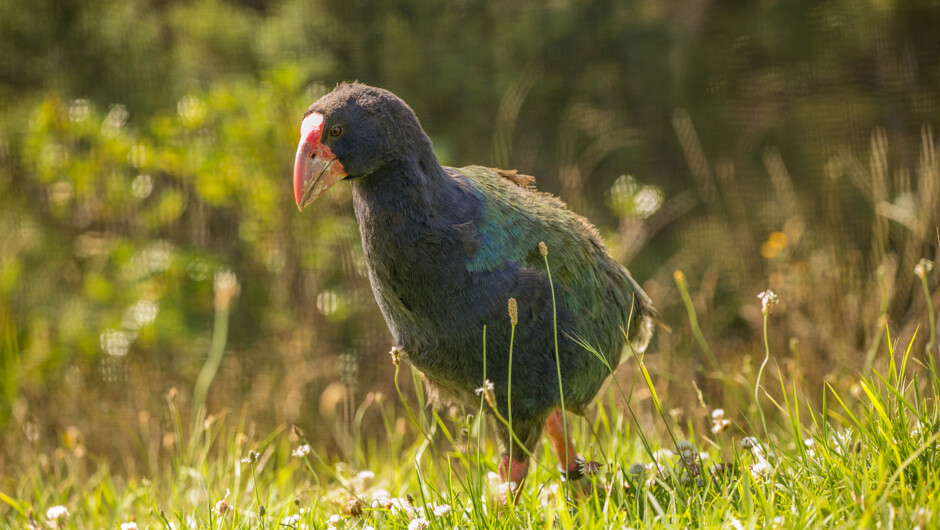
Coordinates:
[313,122]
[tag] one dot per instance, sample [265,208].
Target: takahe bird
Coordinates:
[447,248]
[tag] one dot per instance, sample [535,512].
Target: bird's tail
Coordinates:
[645,320]
[644,334]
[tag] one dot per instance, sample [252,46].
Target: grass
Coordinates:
[867,457]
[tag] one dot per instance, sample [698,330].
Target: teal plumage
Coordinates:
[601,296]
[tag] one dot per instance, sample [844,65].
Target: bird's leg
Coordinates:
[568,459]
[569,462]
[513,472]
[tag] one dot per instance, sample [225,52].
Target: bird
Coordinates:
[449,251]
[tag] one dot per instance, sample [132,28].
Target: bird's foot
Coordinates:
[576,471]
[580,478]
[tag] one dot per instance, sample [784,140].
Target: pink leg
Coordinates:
[513,471]
[568,459]
[564,446]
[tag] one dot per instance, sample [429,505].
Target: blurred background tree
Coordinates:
[147,145]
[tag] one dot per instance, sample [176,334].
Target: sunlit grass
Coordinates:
[862,459]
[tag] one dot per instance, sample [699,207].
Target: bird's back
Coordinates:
[601,301]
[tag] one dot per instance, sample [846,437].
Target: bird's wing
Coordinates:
[517,218]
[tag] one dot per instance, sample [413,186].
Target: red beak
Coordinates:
[315,166]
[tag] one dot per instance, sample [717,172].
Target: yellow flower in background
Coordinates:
[776,242]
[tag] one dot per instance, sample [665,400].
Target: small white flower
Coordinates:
[720,425]
[768,299]
[129,526]
[487,391]
[419,523]
[291,520]
[840,440]
[442,510]
[335,520]
[301,451]
[636,470]
[923,268]
[57,514]
[749,443]
[719,422]
[685,447]
[506,488]
[734,523]
[365,476]
[761,469]
[222,508]
[379,495]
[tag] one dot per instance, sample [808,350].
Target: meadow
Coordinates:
[863,459]
[180,348]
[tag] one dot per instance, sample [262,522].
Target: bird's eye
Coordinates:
[336,131]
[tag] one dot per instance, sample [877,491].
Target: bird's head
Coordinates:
[349,133]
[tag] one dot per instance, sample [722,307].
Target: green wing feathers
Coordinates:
[592,285]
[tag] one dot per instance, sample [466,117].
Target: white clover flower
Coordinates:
[380,498]
[442,510]
[685,447]
[419,523]
[720,425]
[301,451]
[57,514]
[719,422]
[506,488]
[734,523]
[636,469]
[761,469]
[291,520]
[129,526]
[335,520]
[365,476]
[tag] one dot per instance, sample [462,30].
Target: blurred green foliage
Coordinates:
[145,146]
